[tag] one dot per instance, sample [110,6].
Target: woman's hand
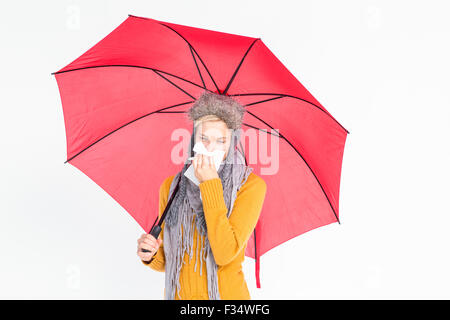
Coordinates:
[147,241]
[204,168]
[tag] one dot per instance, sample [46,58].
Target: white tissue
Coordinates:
[199,147]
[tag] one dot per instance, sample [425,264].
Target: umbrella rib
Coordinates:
[145,115]
[289,96]
[275,98]
[239,66]
[174,85]
[192,47]
[198,69]
[132,66]
[263,130]
[312,171]
[170,111]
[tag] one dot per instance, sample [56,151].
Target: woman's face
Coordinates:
[215,135]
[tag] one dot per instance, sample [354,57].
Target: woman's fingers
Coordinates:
[148,242]
[210,158]
[195,162]
[145,256]
[206,161]
[148,246]
[202,161]
[204,167]
[149,239]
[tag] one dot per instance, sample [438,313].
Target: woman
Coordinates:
[208,226]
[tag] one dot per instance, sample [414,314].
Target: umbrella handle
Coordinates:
[156,230]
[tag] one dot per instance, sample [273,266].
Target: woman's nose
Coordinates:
[211,147]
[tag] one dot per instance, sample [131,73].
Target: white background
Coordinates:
[380,67]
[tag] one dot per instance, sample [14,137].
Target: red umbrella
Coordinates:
[124,102]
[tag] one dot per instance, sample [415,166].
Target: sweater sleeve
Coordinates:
[157,262]
[228,236]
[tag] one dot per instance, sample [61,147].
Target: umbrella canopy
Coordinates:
[124,102]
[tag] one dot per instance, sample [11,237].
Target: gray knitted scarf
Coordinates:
[188,205]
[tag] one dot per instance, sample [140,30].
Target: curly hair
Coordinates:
[223,107]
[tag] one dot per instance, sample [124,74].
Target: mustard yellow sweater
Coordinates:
[227,237]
